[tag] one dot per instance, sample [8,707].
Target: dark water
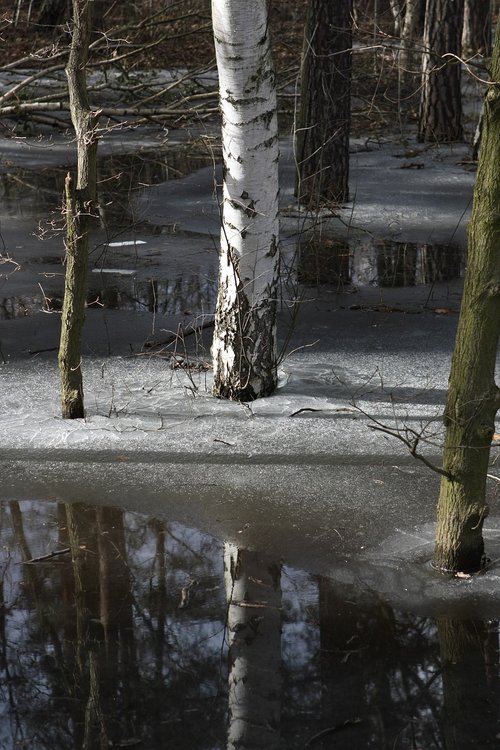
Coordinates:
[383,263]
[157,278]
[119,630]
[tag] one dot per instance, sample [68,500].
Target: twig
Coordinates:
[49,556]
[182,333]
[412,446]
[331,730]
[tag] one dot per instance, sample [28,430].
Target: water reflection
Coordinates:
[195,292]
[383,263]
[120,630]
[28,192]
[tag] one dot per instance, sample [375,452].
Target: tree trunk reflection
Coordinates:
[470,709]
[253,591]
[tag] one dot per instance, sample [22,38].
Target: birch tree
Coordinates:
[244,344]
[473,395]
[252,582]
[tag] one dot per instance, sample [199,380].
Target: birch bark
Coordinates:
[244,344]
[253,591]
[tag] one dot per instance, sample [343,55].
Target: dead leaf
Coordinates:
[442,310]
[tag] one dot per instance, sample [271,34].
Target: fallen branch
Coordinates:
[182,333]
[48,556]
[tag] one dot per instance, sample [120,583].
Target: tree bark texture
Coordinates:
[244,346]
[253,593]
[476,37]
[473,396]
[80,206]
[323,125]
[441,99]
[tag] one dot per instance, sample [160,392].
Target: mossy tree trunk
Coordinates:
[80,206]
[323,123]
[473,396]
[244,344]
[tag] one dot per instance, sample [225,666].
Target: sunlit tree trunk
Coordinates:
[476,37]
[253,593]
[473,396]
[323,124]
[244,344]
[441,100]
[80,206]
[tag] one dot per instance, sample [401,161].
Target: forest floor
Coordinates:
[321,476]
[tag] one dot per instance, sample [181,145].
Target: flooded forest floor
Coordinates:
[119,530]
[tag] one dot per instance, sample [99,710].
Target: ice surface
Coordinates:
[305,461]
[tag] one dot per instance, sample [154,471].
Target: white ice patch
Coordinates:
[126,243]
[117,271]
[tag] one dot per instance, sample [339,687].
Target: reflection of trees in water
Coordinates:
[394,264]
[470,665]
[120,176]
[121,638]
[107,679]
[195,292]
[386,263]
[253,591]
[377,673]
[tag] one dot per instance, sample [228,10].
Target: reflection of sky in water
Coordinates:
[165,665]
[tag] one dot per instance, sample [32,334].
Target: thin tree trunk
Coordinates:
[476,37]
[244,344]
[441,99]
[397,9]
[411,37]
[80,206]
[473,396]
[322,141]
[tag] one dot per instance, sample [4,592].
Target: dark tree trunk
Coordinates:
[80,205]
[441,100]
[476,37]
[53,12]
[466,683]
[322,141]
[473,396]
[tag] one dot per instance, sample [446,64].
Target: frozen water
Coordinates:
[306,461]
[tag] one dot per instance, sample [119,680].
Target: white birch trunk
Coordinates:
[253,591]
[244,345]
